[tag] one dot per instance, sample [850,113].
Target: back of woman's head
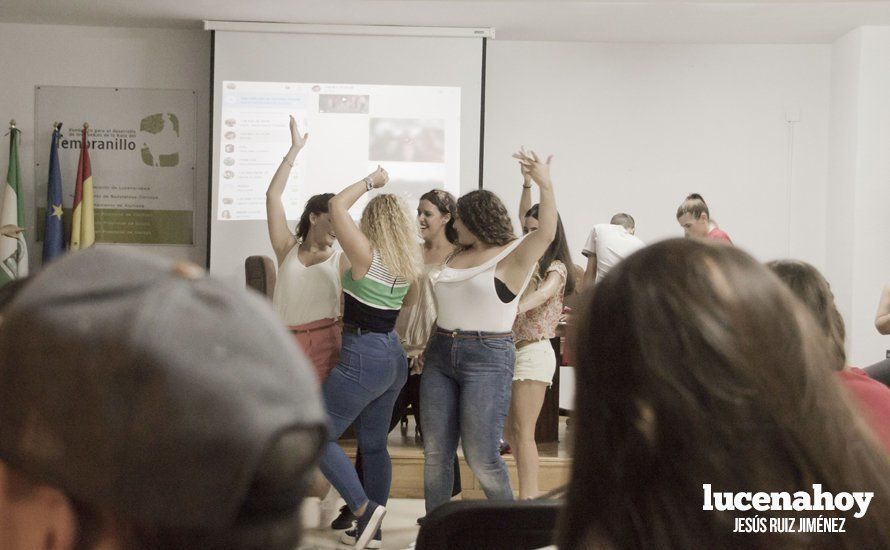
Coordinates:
[393,233]
[317,204]
[813,290]
[483,213]
[558,250]
[445,203]
[694,365]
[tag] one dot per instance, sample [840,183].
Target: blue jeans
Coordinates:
[363,388]
[465,393]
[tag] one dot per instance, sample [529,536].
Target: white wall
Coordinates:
[871,266]
[103,57]
[844,124]
[636,127]
[859,248]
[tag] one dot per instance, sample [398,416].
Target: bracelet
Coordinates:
[369,183]
[524,186]
[289,163]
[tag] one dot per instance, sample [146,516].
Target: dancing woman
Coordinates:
[468,369]
[384,261]
[540,309]
[435,215]
[307,290]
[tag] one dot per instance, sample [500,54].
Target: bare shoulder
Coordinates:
[467,258]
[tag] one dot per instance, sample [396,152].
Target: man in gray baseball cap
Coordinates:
[144,405]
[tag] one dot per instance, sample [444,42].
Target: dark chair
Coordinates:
[880,371]
[474,524]
[260,274]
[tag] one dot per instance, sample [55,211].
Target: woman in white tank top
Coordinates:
[468,370]
[307,291]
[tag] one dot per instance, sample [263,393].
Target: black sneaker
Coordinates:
[344,520]
[367,526]
[350,536]
[420,520]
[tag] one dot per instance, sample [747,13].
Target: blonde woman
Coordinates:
[384,263]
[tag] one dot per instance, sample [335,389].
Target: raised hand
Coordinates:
[379,177]
[538,171]
[297,141]
[526,176]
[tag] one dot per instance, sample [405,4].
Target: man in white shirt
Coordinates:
[608,244]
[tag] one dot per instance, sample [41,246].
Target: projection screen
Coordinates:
[412,104]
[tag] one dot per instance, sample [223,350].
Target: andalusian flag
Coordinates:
[13,250]
[83,229]
[54,230]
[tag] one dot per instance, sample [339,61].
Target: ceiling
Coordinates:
[662,21]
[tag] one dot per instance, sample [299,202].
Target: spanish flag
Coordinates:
[83,229]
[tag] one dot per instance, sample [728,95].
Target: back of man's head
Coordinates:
[624,220]
[171,410]
[695,205]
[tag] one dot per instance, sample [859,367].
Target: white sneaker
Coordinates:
[327,510]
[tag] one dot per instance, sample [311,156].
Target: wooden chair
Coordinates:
[260,274]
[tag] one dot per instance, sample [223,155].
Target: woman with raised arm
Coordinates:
[468,367]
[384,263]
[540,310]
[307,290]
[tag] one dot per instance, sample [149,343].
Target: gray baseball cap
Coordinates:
[130,386]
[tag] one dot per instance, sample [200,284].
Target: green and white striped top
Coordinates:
[373,302]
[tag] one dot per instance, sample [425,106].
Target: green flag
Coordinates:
[13,250]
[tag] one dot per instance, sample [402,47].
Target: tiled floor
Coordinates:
[399,526]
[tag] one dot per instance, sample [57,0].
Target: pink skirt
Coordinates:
[320,341]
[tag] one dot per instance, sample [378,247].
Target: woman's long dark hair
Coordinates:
[695,365]
[445,204]
[813,290]
[483,213]
[317,204]
[558,250]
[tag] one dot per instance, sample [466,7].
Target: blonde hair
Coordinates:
[393,234]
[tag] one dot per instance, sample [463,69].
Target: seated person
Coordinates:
[698,373]
[873,398]
[144,405]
